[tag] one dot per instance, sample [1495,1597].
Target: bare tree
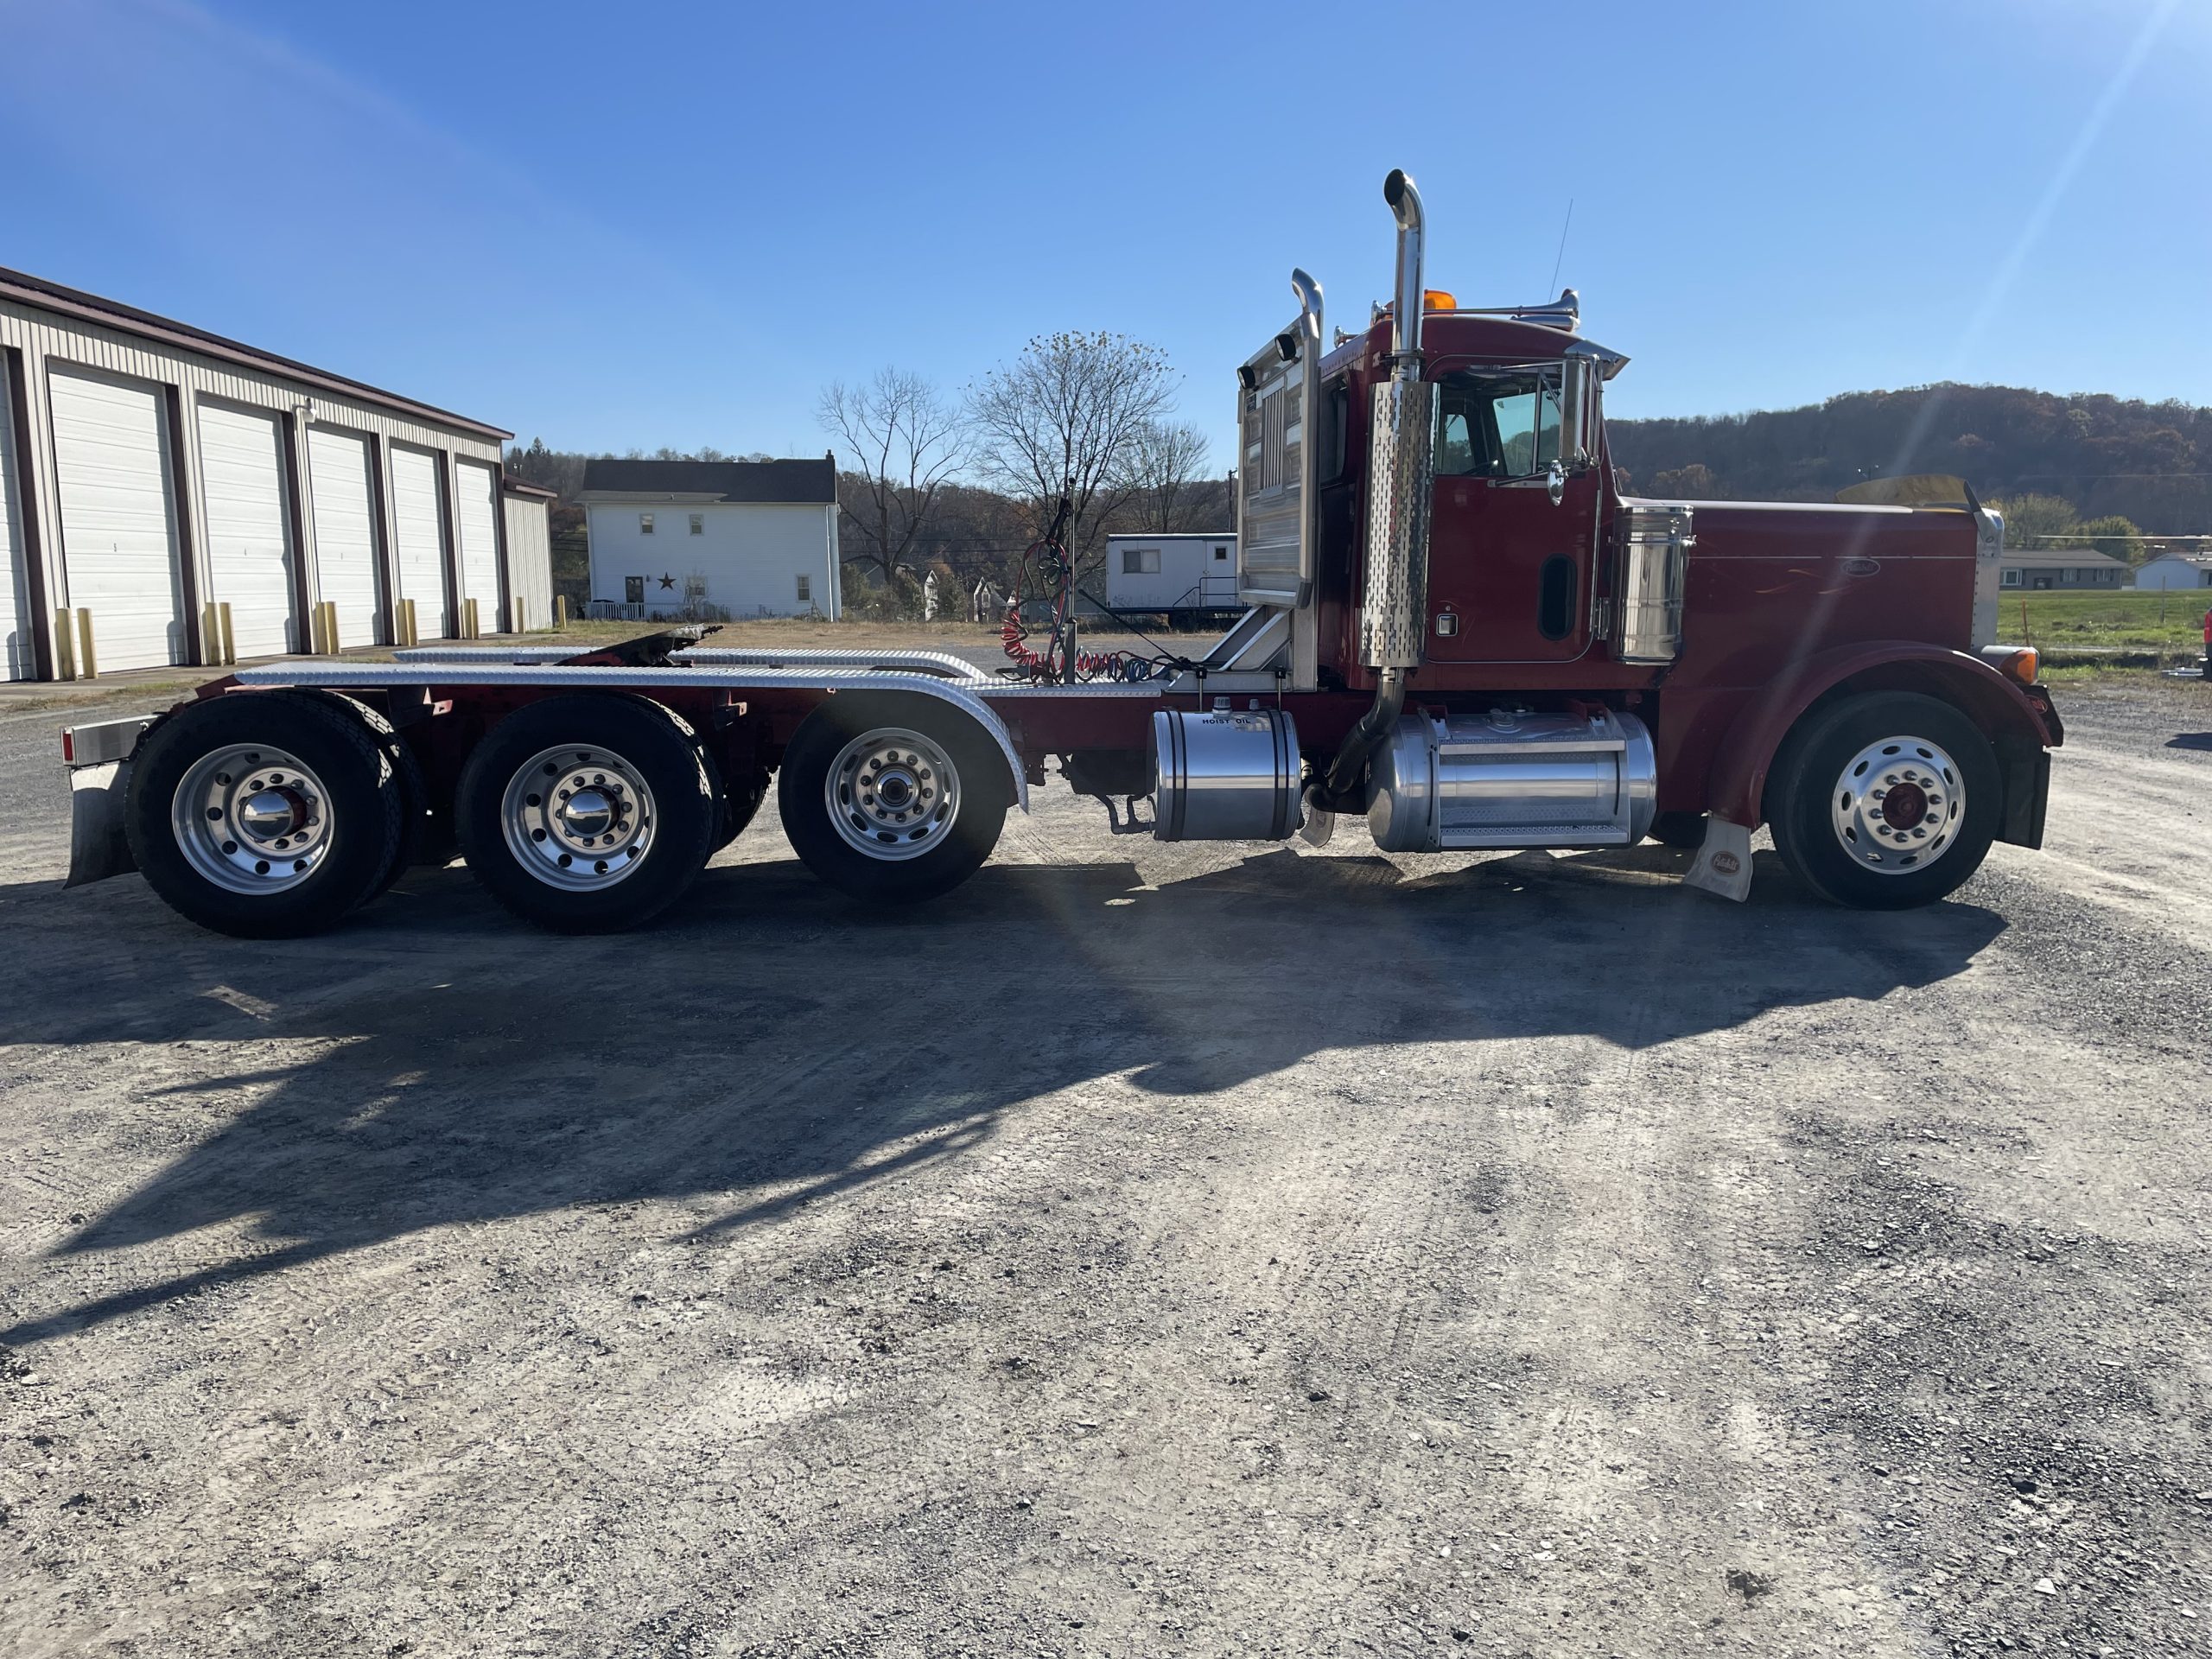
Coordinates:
[1165,461]
[905,441]
[1062,418]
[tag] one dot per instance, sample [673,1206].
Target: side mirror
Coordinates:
[1577,440]
[1555,483]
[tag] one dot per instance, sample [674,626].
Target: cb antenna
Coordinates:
[1558,257]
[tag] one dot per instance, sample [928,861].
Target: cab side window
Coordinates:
[1498,422]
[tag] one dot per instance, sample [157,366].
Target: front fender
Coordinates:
[2000,707]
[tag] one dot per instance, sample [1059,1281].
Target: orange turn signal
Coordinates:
[1439,299]
[2021,665]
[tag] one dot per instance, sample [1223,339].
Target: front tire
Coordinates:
[891,798]
[264,815]
[1885,801]
[588,813]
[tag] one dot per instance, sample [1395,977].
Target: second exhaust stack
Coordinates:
[1393,598]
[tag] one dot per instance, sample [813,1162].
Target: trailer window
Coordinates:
[1140,561]
[1497,423]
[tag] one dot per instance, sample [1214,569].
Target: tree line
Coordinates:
[2069,469]
[959,485]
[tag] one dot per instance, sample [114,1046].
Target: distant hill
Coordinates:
[2148,462]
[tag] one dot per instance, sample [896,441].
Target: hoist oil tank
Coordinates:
[1224,776]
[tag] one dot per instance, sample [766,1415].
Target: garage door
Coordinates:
[249,550]
[16,650]
[480,541]
[339,485]
[418,527]
[118,541]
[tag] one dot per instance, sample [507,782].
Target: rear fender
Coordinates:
[2000,707]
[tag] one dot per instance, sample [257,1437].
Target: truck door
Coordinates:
[1510,568]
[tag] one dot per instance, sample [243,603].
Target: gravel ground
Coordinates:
[1150,1250]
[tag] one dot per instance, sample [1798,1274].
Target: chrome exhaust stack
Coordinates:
[1400,474]
[1394,599]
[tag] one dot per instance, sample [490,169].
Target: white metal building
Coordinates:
[1171,573]
[2170,570]
[740,538]
[155,478]
[530,552]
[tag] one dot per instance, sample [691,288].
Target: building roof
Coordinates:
[126,318]
[514,486]
[1174,536]
[2049,558]
[2202,561]
[715,480]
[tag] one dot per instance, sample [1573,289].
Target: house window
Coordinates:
[634,590]
[698,524]
[1140,561]
[806,590]
[645,524]
[2009,579]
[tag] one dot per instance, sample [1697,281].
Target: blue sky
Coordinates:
[671,224]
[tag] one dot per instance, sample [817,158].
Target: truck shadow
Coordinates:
[435,1063]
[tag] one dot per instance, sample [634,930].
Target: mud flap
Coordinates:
[1320,824]
[1724,861]
[2027,794]
[98,845]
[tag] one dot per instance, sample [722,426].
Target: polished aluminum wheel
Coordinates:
[251,819]
[892,793]
[1899,806]
[578,818]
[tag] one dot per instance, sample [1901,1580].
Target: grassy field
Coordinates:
[2170,622]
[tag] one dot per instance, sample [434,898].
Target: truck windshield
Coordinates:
[1498,422]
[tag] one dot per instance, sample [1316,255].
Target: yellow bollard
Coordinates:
[88,665]
[408,605]
[330,626]
[211,635]
[65,647]
[560,611]
[230,646]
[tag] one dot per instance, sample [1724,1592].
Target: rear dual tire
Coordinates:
[266,815]
[891,798]
[588,813]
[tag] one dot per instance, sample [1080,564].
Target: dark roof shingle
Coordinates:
[727,480]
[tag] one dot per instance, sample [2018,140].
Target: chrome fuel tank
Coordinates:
[1514,779]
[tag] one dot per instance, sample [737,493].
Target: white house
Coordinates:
[2176,571]
[709,538]
[1171,573]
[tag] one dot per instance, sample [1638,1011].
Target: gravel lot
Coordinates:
[1149,1250]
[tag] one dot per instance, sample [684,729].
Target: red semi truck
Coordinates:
[1455,626]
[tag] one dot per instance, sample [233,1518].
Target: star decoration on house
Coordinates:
[668,581]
